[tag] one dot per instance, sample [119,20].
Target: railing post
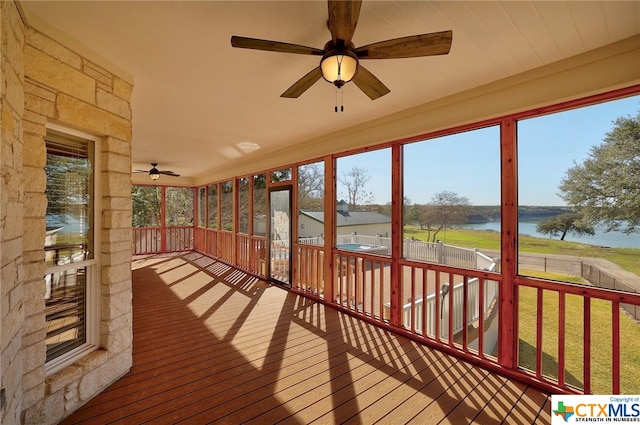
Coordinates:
[508,318]
[396,236]
[440,252]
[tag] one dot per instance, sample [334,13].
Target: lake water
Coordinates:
[610,239]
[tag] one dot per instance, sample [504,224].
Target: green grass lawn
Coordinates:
[600,312]
[600,338]
[627,258]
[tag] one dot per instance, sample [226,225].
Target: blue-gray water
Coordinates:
[610,239]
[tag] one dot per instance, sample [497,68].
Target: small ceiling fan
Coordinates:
[154,173]
[340,62]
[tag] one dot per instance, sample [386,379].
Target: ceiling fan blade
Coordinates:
[273,46]
[343,18]
[369,84]
[140,171]
[303,84]
[169,173]
[413,46]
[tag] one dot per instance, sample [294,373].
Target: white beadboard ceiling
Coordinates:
[200,106]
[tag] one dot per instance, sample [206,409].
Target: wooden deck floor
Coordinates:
[214,345]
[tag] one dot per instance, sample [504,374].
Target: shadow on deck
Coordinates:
[215,345]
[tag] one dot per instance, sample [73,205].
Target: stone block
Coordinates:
[64,377]
[49,71]
[35,204]
[117,146]
[117,202]
[35,179]
[83,115]
[39,91]
[43,43]
[40,106]
[34,356]
[116,235]
[122,89]
[33,273]
[116,219]
[116,184]
[14,224]
[122,323]
[35,151]
[35,323]
[115,162]
[14,89]
[34,379]
[115,258]
[113,103]
[116,305]
[35,337]
[97,73]
[33,126]
[119,273]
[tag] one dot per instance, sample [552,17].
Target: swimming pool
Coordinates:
[361,247]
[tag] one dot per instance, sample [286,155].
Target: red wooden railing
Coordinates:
[309,269]
[151,240]
[454,308]
[600,308]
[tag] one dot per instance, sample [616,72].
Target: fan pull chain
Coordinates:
[341,100]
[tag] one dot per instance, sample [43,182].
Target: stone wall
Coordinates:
[12,291]
[47,83]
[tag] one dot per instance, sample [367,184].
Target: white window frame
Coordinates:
[92,301]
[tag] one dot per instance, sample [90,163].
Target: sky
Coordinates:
[469,163]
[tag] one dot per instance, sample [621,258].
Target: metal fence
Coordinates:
[602,279]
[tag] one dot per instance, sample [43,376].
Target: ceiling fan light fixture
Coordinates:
[339,67]
[154,174]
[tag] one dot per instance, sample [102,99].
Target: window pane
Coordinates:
[69,201]
[226,200]
[579,193]
[213,206]
[243,205]
[363,216]
[68,240]
[146,206]
[202,206]
[260,205]
[311,203]
[281,175]
[451,212]
[179,206]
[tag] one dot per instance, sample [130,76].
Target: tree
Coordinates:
[445,209]
[563,224]
[606,186]
[355,181]
[146,206]
[311,187]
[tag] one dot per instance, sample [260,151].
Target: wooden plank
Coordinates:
[227,348]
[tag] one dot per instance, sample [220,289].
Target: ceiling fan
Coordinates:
[154,173]
[340,62]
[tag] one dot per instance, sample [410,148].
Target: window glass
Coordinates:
[260,205]
[202,206]
[311,203]
[579,193]
[281,175]
[243,205]
[212,210]
[146,206]
[68,240]
[179,206]
[226,199]
[451,208]
[363,203]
